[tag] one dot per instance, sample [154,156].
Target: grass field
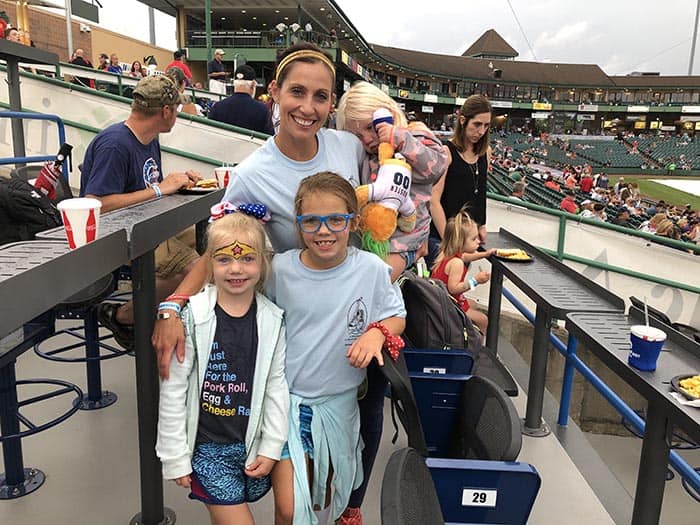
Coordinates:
[656,191]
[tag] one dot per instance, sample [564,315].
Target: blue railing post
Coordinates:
[568,381]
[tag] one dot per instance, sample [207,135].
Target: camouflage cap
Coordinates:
[156,91]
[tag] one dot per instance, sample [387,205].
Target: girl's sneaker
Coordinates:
[351,516]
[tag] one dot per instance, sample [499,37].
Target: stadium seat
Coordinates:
[408,493]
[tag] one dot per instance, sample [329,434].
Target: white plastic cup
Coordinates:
[81,220]
[646,343]
[222,175]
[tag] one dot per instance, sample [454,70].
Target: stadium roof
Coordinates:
[490,44]
[538,73]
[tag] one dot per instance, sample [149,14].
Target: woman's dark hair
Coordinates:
[474,105]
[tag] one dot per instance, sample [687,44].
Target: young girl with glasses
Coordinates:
[224,410]
[341,309]
[457,249]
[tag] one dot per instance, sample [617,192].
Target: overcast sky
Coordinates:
[619,35]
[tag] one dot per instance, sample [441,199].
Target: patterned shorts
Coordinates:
[305,414]
[218,476]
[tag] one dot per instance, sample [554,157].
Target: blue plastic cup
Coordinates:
[646,344]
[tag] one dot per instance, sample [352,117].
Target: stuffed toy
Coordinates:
[386,202]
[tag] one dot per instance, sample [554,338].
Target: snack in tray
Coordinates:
[206,183]
[515,254]
[691,385]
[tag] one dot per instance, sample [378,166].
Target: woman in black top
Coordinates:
[464,184]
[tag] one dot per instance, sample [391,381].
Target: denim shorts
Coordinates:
[305,414]
[219,478]
[409,257]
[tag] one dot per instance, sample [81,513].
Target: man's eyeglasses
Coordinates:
[336,222]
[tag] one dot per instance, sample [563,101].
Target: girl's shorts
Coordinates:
[409,257]
[305,414]
[219,478]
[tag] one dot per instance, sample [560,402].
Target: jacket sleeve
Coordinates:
[423,151]
[172,445]
[275,419]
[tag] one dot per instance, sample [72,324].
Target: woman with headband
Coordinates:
[303,88]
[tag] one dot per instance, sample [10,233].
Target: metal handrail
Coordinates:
[37,158]
[677,462]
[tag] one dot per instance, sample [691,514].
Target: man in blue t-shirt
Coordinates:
[241,109]
[122,167]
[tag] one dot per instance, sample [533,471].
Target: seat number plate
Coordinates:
[479,498]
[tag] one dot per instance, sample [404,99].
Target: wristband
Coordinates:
[177,297]
[392,343]
[167,305]
[159,192]
[472,283]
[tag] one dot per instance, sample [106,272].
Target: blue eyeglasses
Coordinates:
[335,222]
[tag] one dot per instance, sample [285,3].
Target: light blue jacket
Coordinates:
[179,395]
[335,432]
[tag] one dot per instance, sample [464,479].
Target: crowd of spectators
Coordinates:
[591,195]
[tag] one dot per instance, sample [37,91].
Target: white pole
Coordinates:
[69,29]
[695,38]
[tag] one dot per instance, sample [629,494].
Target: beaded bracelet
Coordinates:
[159,192]
[392,343]
[178,297]
[167,305]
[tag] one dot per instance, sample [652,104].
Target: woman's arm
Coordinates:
[169,334]
[437,212]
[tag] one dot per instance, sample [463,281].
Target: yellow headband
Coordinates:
[237,250]
[305,53]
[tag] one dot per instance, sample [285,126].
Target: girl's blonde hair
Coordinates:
[456,231]
[361,100]
[225,230]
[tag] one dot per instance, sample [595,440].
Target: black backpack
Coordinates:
[24,211]
[434,320]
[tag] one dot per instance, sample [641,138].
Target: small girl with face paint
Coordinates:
[224,409]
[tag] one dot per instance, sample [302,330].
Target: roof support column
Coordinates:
[207,27]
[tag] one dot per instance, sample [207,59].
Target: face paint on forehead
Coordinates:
[236,250]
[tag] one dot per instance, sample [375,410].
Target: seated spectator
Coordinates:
[568,203]
[123,167]
[571,181]
[587,209]
[241,109]
[549,183]
[599,211]
[114,66]
[586,183]
[622,219]
[518,191]
[104,62]
[186,106]
[80,60]
[12,34]
[179,61]
[667,228]
[136,70]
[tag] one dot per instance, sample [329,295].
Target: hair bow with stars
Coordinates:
[257,210]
